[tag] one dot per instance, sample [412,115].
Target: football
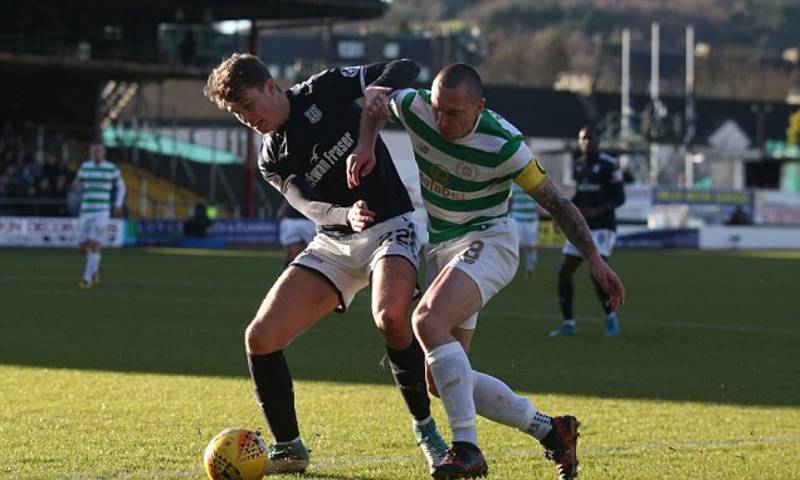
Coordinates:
[236,454]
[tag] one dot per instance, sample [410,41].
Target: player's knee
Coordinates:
[425,322]
[261,340]
[390,322]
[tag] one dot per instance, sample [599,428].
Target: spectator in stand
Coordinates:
[198,225]
[739,217]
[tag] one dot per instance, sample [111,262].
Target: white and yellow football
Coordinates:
[236,454]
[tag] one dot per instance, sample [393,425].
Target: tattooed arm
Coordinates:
[572,223]
[567,216]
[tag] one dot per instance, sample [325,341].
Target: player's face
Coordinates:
[587,141]
[455,110]
[261,108]
[97,152]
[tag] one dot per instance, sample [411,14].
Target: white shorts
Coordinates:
[604,240]
[92,228]
[347,262]
[296,230]
[490,257]
[528,233]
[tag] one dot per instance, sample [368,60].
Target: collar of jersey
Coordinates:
[474,127]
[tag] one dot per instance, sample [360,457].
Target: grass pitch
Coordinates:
[131,380]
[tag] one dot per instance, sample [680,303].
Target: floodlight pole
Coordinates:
[625,118]
[654,53]
[689,112]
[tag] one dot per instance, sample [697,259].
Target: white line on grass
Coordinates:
[365,309]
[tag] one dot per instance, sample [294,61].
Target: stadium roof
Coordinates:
[193,11]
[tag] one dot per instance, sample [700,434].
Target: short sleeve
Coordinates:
[399,102]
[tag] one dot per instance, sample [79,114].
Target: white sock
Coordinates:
[96,262]
[530,261]
[497,402]
[452,374]
[422,423]
[88,268]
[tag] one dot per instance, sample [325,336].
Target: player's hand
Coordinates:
[376,102]
[609,282]
[359,216]
[359,164]
[118,212]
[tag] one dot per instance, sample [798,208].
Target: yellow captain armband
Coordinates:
[531,176]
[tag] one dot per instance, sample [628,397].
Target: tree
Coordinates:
[793,131]
[522,58]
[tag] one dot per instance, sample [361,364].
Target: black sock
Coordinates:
[565,293]
[274,393]
[408,369]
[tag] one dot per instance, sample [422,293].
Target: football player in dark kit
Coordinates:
[598,192]
[363,234]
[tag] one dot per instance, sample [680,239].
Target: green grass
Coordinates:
[132,379]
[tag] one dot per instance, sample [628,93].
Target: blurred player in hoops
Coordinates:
[364,235]
[98,180]
[525,213]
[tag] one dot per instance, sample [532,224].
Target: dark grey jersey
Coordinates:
[598,182]
[312,147]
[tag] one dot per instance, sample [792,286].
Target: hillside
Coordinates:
[535,42]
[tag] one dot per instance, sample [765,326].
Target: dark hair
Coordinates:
[228,81]
[457,74]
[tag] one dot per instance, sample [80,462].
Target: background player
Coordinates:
[296,231]
[598,192]
[364,234]
[525,213]
[467,157]
[97,180]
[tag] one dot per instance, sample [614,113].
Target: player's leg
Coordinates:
[528,233]
[84,240]
[452,298]
[393,283]
[296,301]
[532,254]
[566,292]
[86,278]
[288,237]
[96,251]
[96,234]
[496,401]
[531,258]
[605,239]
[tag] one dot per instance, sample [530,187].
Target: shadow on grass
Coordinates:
[188,315]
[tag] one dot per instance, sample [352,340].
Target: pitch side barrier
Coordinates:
[221,234]
[53,232]
[63,232]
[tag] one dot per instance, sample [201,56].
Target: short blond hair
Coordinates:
[228,81]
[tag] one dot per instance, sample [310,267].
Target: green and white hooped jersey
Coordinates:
[465,183]
[97,183]
[523,206]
